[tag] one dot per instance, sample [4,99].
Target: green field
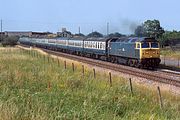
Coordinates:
[34,86]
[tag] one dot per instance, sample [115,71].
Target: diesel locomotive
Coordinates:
[141,52]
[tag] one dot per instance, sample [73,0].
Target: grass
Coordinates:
[170,53]
[33,86]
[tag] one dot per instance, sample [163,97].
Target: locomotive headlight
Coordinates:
[143,52]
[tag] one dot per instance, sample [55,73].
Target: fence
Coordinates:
[49,59]
[167,61]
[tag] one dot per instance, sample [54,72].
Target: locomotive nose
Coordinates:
[150,53]
[150,57]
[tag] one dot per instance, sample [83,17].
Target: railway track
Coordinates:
[158,76]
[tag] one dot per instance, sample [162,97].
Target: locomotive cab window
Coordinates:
[145,45]
[154,45]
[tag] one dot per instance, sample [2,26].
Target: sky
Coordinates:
[90,15]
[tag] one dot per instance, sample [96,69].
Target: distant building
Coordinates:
[27,34]
[41,34]
[64,33]
[18,33]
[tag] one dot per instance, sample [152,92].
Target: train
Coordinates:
[141,52]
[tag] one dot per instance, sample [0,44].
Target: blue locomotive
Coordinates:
[132,51]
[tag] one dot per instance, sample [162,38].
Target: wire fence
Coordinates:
[167,61]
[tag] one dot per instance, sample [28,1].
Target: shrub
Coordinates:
[10,40]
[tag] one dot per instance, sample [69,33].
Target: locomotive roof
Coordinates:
[133,39]
[115,39]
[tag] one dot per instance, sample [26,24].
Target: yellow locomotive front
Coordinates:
[150,53]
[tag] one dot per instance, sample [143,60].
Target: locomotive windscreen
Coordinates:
[154,45]
[145,45]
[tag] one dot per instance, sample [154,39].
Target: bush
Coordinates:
[10,40]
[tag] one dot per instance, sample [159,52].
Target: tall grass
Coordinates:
[31,87]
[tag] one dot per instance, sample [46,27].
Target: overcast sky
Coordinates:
[123,15]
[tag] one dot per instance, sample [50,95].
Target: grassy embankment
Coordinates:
[33,88]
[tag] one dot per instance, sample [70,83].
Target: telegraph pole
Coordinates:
[79,30]
[1,30]
[107,28]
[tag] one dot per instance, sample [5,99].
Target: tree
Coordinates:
[10,40]
[170,38]
[80,35]
[95,34]
[152,28]
[116,34]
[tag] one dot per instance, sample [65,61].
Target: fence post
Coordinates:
[73,67]
[35,54]
[52,59]
[48,59]
[110,79]
[44,58]
[64,64]
[178,61]
[30,52]
[130,83]
[49,85]
[94,73]
[160,97]
[58,62]
[83,70]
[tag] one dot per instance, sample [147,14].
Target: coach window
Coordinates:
[103,46]
[100,45]
[87,44]
[96,45]
[90,44]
